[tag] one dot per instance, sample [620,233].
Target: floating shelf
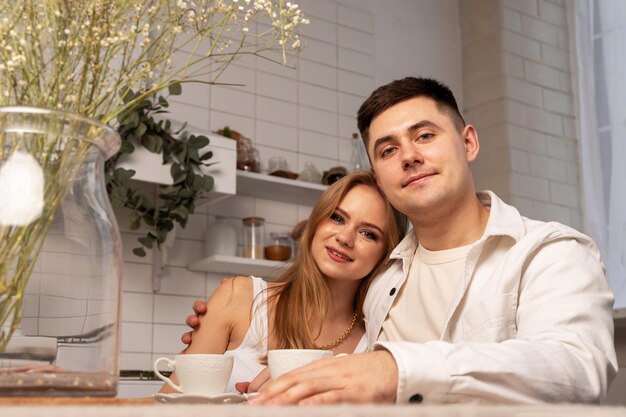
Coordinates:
[278,188]
[235,265]
[271,188]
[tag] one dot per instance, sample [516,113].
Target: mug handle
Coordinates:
[170,364]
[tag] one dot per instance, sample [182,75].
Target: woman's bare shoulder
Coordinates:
[233,292]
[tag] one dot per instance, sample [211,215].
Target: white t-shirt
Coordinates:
[420,309]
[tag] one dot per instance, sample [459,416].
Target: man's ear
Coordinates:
[470,141]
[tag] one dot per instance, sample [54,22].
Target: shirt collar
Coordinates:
[504,220]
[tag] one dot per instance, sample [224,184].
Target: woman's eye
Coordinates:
[336,218]
[369,235]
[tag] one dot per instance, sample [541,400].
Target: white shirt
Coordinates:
[530,320]
[422,305]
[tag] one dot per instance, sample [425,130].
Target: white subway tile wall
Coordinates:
[306,113]
[519,96]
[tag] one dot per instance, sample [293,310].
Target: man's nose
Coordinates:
[411,156]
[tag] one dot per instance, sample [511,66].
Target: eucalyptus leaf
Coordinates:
[208,183]
[132,120]
[134,222]
[127,147]
[118,196]
[122,175]
[198,142]
[175,89]
[178,174]
[148,240]
[140,130]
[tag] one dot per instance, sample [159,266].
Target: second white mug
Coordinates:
[281,361]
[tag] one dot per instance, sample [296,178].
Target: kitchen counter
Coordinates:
[114,407]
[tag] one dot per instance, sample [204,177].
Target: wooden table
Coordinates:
[113,407]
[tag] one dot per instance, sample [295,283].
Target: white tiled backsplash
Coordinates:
[303,114]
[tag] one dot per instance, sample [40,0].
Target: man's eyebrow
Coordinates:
[380,142]
[415,126]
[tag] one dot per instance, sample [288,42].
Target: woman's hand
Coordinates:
[260,380]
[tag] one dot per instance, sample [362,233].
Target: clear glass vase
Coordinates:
[60,256]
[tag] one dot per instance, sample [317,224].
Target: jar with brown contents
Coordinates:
[278,247]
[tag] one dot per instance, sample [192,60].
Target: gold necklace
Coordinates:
[342,337]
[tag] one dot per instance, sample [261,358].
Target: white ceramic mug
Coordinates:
[285,360]
[201,374]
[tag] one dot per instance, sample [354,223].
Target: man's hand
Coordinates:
[193,320]
[362,378]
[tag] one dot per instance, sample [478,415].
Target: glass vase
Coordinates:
[60,256]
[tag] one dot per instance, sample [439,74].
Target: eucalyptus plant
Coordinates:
[174,203]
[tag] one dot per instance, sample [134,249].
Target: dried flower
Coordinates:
[83,53]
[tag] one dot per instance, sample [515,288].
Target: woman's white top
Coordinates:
[246,365]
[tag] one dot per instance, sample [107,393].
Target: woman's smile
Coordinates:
[337,255]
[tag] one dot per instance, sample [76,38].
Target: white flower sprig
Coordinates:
[77,55]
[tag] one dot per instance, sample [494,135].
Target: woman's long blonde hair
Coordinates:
[304,296]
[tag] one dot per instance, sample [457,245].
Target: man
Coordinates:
[480,304]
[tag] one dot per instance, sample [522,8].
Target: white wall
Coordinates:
[416,38]
[306,114]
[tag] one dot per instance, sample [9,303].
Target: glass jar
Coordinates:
[247,156]
[60,258]
[358,157]
[310,173]
[277,163]
[221,239]
[253,233]
[278,247]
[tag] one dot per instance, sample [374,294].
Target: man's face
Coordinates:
[420,158]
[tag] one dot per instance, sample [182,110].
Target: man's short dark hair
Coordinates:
[400,90]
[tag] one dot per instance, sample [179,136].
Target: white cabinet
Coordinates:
[149,167]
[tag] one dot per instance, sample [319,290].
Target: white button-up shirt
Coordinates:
[531,319]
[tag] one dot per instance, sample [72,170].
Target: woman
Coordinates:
[316,303]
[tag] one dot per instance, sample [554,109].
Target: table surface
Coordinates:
[114,407]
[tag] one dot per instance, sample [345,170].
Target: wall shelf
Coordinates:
[235,265]
[278,189]
[271,188]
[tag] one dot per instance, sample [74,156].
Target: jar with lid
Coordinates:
[279,246]
[310,173]
[221,238]
[247,156]
[253,237]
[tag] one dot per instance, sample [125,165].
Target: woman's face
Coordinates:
[349,244]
